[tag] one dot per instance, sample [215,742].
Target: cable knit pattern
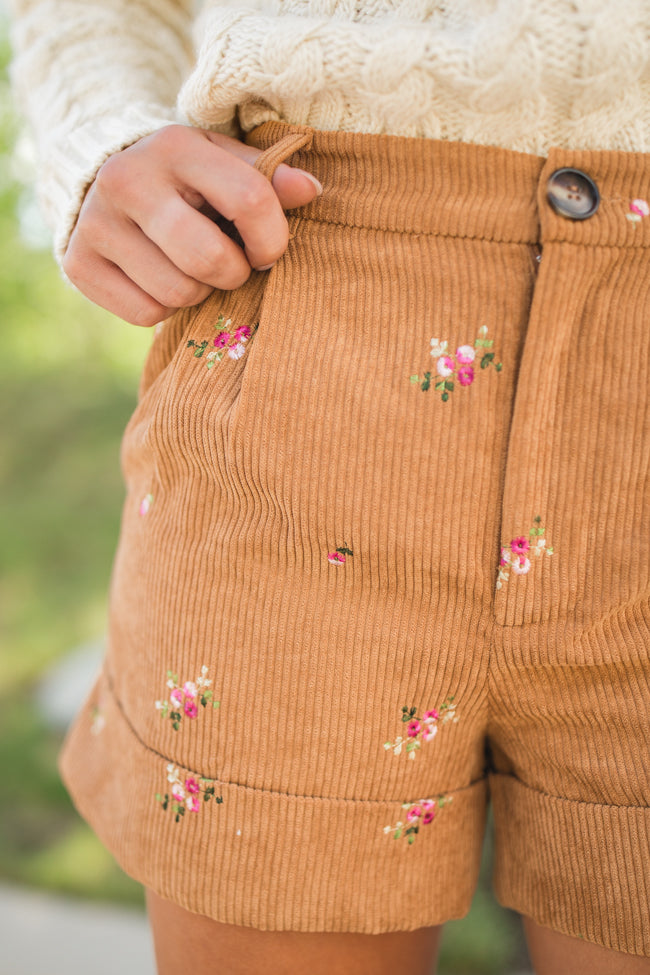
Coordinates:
[521,74]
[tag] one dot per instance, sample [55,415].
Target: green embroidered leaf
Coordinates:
[444,397]
[176,725]
[397,834]
[498,366]
[215,704]
[411,839]
[414,379]
[449,384]
[159,797]
[344,551]
[190,343]
[218,799]
[426,383]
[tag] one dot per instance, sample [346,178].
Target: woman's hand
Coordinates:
[141,247]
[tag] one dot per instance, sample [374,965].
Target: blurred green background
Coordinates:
[68,379]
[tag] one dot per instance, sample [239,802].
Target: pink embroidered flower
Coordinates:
[522,549]
[176,696]
[445,365]
[193,803]
[241,333]
[414,813]
[640,207]
[190,708]
[465,354]
[222,339]
[191,785]
[189,688]
[336,558]
[146,503]
[431,715]
[429,811]
[429,731]
[465,375]
[519,545]
[414,728]
[520,565]
[178,792]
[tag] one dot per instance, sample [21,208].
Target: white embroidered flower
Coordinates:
[213,354]
[388,829]
[170,683]
[160,705]
[438,347]
[237,351]
[521,565]
[189,688]
[203,681]
[444,365]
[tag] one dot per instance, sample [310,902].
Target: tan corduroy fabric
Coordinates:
[388,506]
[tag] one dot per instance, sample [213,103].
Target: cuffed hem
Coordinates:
[582,868]
[265,859]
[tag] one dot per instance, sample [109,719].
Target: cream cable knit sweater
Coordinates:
[95,75]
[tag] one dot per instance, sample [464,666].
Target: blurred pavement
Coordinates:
[47,934]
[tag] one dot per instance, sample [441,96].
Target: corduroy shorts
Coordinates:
[385,558]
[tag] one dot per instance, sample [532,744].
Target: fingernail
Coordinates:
[312,178]
[267,266]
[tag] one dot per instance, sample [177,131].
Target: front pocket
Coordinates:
[189,390]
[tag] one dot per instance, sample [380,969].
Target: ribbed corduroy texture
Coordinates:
[323,436]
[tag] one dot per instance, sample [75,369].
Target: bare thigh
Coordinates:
[185,941]
[554,953]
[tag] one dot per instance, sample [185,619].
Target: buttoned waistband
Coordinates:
[462,189]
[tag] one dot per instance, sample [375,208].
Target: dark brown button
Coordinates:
[572,194]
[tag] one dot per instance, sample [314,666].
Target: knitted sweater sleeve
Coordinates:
[91,77]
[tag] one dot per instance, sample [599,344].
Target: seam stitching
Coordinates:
[271,792]
[574,802]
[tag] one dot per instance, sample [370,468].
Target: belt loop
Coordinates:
[269,159]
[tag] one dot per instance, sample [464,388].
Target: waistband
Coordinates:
[460,189]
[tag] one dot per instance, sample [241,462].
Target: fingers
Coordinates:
[142,247]
[194,244]
[231,186]
[108,286]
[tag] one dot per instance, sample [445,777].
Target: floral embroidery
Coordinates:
[145,504]
[183,700]
[517,557]
[463,367]
[233,341]
[337,557]
[418,813]
[185,792]
[422,729]
[638,210]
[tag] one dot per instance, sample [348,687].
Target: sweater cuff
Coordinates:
[72,157]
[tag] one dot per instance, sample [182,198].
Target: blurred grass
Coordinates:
[68,379]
